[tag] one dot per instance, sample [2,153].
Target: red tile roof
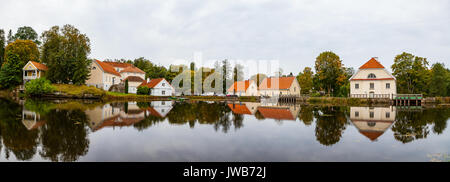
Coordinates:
[118,64]
[372,63]
[372,135]
[277,83]
[276,113]
[240,86]
[132,69]
[353,79]
[153,112]
[239,109]
[107,68]
[39,66]
[134,79]
[152,83]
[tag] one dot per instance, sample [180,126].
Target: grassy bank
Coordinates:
[346,101]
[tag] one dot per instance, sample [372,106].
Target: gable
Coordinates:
[380,74]
[29,66]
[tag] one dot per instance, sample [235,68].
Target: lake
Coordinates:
[219,131]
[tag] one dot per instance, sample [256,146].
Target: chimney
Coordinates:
[148,80]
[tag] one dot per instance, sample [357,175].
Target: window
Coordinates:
[388,114]
[357,86]
[356,114]
[372,86]
[163,92]
[388,85]
[372,114]
[163,103]
[94,68]
[163,84]
[371,75]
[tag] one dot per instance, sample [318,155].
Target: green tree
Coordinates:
[305,79]
[143,90]
[10,37]
[26,33]
[126,86]
[65,52]
[439,80]
[2,46]
[329,72]
[17,54]
[411,73]
[258,78]
[238,73]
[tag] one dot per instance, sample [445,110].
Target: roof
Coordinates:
[276,113]
[152,82]
[118,64]
[279,83]
[39,66]
[107,68]
[240,86]
[154,112]
[372,135]
[372,63]
[239,109]
[134,79]
[132,69]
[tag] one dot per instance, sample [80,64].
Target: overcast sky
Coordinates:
[293,32]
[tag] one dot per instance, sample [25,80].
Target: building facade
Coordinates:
[103,75]
[279,86]
[33,70]
[243,88]
[372,80]
[159,87]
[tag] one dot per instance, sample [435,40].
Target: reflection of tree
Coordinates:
[306,115]
[259,116]
[64,140]
[16,138]
[238,120]
[411,126]
[330,125]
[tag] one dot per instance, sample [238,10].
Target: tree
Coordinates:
[305,79]
[65,52]
[438,81]
[2,46]
[10,37]
[258,78]
[329,72]
[411,73]
[226,69]
[126,86]
[17,54]
[238,73]
[26,33]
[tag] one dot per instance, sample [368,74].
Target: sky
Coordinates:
[292,32]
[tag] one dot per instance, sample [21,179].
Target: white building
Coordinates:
[243,88]
[33,70]
[103,75]
[276,86]
[372,80]
[159,87]
[372,122]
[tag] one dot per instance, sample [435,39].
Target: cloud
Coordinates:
[294,32]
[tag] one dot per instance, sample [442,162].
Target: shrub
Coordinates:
[38,87]
[143,90]
[126,86]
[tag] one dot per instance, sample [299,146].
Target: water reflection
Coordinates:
[62,131]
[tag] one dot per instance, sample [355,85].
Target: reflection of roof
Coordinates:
[372,135]
[118,121]
[39,66]
[31,125]
[239,109]
[134,79]
[277,83]
[154,112]
[152,82]
[276,113]
[240,86]
[118,64]
[132,69]
[372,63]
[107,68]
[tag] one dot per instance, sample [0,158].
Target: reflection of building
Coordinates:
[279,112]
[249,108]
[372,122]
[126,114]
[31,120]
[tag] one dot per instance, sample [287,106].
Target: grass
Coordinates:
[78,90]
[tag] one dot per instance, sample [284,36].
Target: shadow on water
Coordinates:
[60,131]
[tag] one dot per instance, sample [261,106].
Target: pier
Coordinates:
[407,99]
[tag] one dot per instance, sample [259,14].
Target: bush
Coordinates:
[143,90]
[126,86]
[38,87]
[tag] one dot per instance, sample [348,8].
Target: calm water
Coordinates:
[219,131]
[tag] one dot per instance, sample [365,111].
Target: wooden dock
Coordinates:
[407,99]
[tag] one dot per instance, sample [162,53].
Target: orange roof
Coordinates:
[115,121]
[118,64]
[240,86]
[276,113]
[152,82]
[372,135]
[134,79]
[39,66]
[132,69]
[107,68]
[37,125]
[153,112]
[277,83]
[239,109]
[372,63]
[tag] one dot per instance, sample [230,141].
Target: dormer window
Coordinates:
[371,75]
